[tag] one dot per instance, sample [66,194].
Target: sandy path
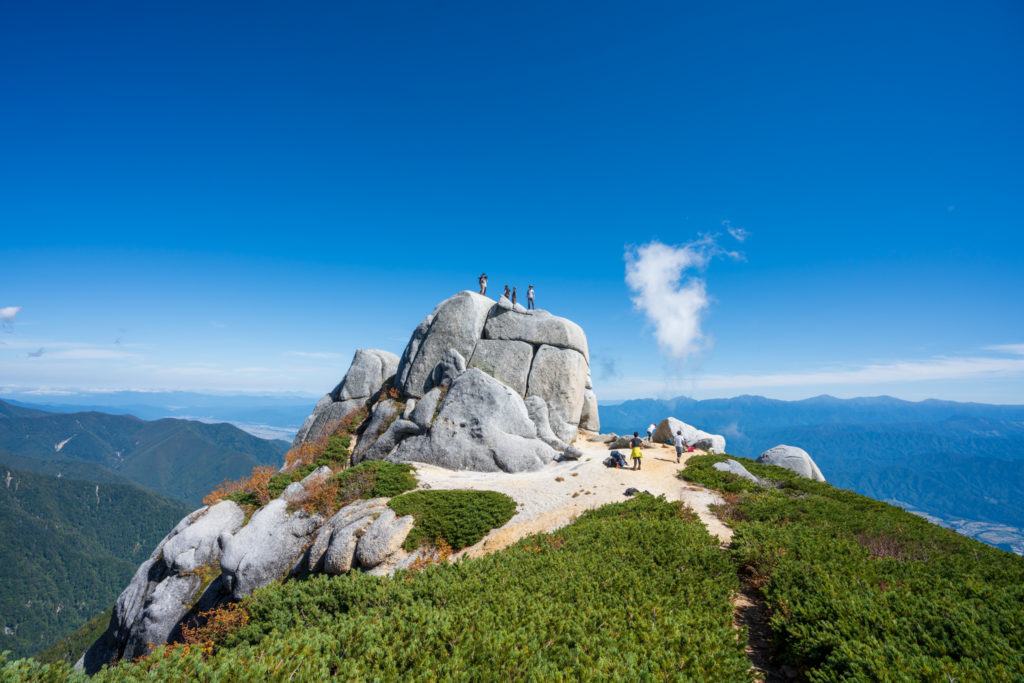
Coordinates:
[546,503]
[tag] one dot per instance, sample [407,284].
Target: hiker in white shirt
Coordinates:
[650,432]
[529,298]
[680,444]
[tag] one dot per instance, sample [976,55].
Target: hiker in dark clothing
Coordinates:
[513,296]
[483,283]
[637,456]
[507,293]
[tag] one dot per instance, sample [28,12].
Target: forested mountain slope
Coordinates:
[67,547]
[178,458]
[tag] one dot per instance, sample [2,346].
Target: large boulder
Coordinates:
[792,458]
[423,414]
[366,375]
[340,531]
[457,324]
[381,416]
[451,365]
[736,468]
[558,376]
[589,419]
[506,361]
[384,537]
[536,328]
[667,428]
[537,409]
[196,545]
[481,425]
[160,592]
[264,549]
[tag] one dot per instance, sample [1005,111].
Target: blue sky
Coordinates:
[234,197]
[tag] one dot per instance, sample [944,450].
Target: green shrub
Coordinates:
[862,590]
[374,479]
[460,518]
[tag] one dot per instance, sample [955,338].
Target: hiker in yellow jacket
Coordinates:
[636,454]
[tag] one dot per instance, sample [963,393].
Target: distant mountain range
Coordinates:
[182,459]
[961,464]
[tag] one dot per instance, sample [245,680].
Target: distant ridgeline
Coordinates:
[178,458]
[960,464]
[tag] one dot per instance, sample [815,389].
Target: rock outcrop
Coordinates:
[792,458]
[482,425]
[736,468]
[713,443]
[531,355]
[369,370]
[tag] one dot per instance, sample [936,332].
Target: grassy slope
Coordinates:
[635,590]
[863,590]
[67,548]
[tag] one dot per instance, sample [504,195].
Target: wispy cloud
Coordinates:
[37,353]
[7,314]
[738,234]
[322,355]
[214,323]
[829,380]
[89,354]
[1015,349]
[669,290]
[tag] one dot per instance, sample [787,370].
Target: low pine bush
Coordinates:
[459,518]
[862,590]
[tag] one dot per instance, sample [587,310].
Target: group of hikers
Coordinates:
[510,295]
[637,455]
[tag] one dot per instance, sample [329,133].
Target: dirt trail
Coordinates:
[554,496]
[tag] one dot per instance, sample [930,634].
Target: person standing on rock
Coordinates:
[513,296]
[529,298]
[650,432]
[680,442]
[635,454]
[483,283]
[507,293]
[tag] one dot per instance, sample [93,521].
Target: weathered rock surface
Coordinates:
[325,419]
[481,425]
[381,416]
[589,419]
[537,409]
[264,549]
[451,365]
[457,324]
[298,491]
[157,597]
[558,376]
[423,414]
[737,469]
[392,436]
[537,328]
[354,512]
[366,375]
[665,433]
[196,545]
[794,459]
[382,538]
[506,361]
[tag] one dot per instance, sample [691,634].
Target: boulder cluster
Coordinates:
[480,386]
[214,556]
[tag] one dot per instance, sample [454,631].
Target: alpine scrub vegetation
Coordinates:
[456,518]
[635,590]
[862,590]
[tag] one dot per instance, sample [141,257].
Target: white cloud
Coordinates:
[669,292]
[214,323]
[7,314]
[738,234]
[1015,349]
[89,354]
